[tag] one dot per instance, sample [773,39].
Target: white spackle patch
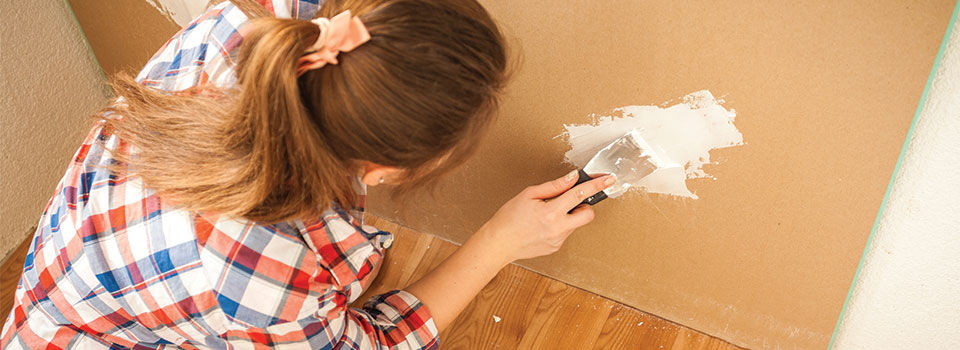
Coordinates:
[683,133]
[496,319]
[181,12]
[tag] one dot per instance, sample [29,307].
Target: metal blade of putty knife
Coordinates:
[630,158]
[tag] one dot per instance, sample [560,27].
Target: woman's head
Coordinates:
[416,98]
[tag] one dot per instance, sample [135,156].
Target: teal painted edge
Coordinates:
[896,169]
[87,42]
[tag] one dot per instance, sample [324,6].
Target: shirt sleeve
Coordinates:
[394,320]
[398,320]
[348,252]
[204,51]
[291,285]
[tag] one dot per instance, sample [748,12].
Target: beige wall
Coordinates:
[49,83]
[906,295]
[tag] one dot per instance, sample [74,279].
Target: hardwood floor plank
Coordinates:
[438,251]
[566,318]
[10,271]
[498,317]
[534,311]
[691,339]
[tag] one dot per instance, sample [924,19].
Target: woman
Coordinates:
[218,203]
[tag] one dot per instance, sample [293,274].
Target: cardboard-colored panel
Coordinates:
[123,34]
[824,93]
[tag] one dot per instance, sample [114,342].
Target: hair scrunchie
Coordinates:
[340,33]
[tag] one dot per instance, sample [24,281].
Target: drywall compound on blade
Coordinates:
[683,133]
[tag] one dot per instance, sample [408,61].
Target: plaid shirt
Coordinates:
[114,266]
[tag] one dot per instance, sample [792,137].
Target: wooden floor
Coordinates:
[519,309]
[10,274]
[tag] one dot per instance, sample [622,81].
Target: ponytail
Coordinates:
[418,96]
[252,152]
[291,163]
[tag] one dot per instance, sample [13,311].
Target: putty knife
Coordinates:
[629,158]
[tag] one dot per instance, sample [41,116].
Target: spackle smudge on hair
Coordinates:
[683,133]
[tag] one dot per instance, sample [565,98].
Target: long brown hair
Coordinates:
[417,96]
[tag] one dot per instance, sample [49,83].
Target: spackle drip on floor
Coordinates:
[683,133]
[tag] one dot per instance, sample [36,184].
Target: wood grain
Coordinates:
[534,311]
[10,271]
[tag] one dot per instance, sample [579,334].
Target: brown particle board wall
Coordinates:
[824,93]
[123,34]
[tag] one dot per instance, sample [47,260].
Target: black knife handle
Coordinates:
[596,197]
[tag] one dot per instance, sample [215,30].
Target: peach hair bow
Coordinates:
[342,32]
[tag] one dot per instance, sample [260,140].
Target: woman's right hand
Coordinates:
[536,222]
[532,224]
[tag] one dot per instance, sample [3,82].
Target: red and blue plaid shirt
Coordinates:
[114,266]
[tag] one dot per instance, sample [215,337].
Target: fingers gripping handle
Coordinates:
[596,197]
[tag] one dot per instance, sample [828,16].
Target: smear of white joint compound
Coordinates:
[181,12]
[683,133]
[496,319]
